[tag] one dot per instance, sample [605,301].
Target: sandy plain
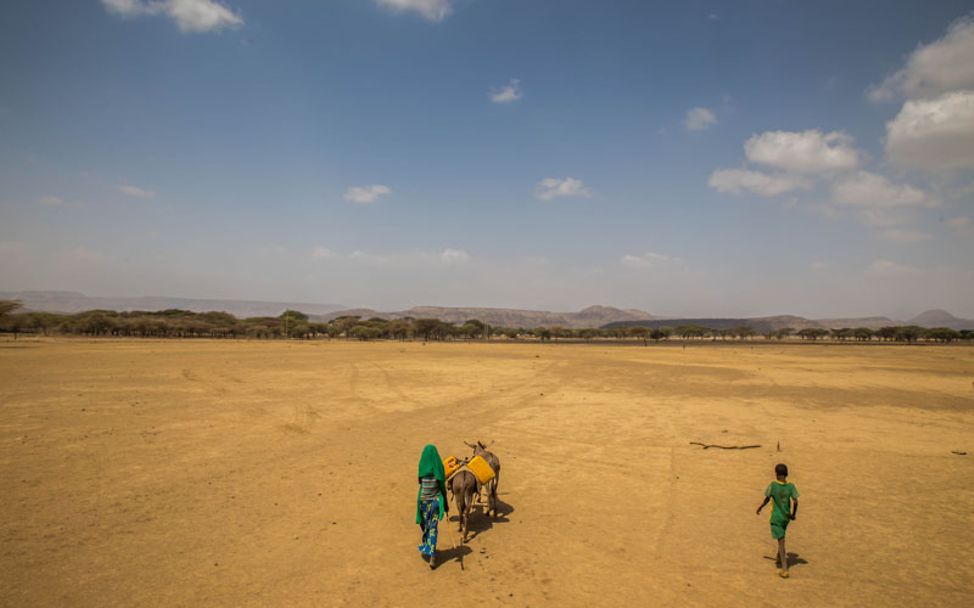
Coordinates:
[236,473]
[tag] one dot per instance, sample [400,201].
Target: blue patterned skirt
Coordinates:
[429,510]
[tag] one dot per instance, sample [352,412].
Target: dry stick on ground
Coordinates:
[724,447]
[454,542]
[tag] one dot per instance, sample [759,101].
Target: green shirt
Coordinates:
[781,495]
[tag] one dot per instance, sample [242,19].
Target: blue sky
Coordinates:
[688,158]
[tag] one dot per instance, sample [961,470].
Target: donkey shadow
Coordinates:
[479,520]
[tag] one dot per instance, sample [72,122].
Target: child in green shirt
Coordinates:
[783,511]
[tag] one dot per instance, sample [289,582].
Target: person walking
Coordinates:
[431,505]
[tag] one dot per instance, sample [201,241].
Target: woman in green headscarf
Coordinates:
[431,503]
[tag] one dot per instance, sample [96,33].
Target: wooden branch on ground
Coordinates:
[724,447]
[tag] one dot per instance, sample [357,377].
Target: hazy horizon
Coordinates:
[338,306]
[694,160]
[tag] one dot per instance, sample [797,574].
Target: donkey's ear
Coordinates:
[469,445]
[492,442]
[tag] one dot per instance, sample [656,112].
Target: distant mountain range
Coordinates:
[940,318]
[593,316]
[930,318]
[72,302]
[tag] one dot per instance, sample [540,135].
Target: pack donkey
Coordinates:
[463,486]
[479,449]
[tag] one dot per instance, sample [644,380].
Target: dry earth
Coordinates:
[189,473]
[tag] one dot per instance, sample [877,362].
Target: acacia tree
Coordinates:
[812,333]
[943,334]
[8,306]
[660,333]
[640,333]
[842,333]
[909,333]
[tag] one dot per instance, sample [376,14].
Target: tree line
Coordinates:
[175,323]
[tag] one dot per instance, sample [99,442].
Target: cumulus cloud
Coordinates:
[553,187]
[431,10]
[740,181]
[962,225]
[698,119]
[944,65]
[454,257]
[189,15]
[867,189]
[904,236]
[509,93]
[887,269]
[322,253]
[365,195]
[803,151]
[647,260]
[50,201]
[934,134]
[404,259]
[135,191]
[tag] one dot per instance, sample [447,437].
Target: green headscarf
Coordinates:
[430,463]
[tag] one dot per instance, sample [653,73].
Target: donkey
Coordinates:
[481,450]
[463,486]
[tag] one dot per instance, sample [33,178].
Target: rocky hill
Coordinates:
[867,322]
[72,302]
[593,316]
[940,318]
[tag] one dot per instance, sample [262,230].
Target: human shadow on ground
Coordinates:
[793,559]
[443,556]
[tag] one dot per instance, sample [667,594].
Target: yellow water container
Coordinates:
[481,469]
[450,465]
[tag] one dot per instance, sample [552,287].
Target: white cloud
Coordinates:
[904,236]
[739,181]
[871,190]
[886,269]
[189,15]
[934,134]
[365,195]
[698,119]
[50,201]
[803,151]
[431,10]
[552,187]
[404,259]
[135,191]
[648,260]
[322,253]
[962,225]
[454,257]
[508,93]
[944,65]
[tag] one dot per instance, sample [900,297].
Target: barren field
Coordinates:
[210,473]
